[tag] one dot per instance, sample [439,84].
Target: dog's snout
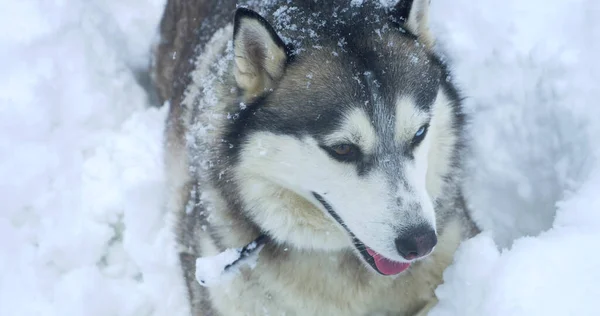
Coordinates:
[416,243]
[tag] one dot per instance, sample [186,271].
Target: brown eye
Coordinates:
[343,152]
[343,149]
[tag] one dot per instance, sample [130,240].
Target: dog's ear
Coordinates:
[260,55]
[414,15]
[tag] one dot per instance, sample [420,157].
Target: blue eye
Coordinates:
[420,132]
[419,135]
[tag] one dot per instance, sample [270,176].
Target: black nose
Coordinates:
[416,242]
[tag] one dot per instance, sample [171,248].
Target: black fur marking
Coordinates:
[402,10]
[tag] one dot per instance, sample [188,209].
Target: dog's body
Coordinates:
[330,127]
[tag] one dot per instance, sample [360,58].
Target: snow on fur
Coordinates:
[211,271]
[216,270]
[82,230]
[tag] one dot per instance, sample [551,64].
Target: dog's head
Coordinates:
[348,143]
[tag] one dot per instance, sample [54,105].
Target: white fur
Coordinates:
[443,142]
[418,21]
[356,129]
[409,119]
[291,169]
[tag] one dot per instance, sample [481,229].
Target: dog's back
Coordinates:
[185,28]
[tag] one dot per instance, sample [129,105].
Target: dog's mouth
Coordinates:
[377,261]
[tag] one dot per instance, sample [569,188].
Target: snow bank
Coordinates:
[81,226]
[530,72]
[555,273]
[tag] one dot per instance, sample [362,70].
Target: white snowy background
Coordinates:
[82,231]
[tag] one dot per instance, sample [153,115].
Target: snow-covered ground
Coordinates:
[82,231]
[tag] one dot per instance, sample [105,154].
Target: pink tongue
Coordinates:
[387,266]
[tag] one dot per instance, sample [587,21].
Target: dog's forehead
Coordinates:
[376,75]
[390,66]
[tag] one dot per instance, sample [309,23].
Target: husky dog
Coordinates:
[332,128]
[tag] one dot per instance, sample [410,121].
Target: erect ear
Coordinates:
[260,55]
[414,15]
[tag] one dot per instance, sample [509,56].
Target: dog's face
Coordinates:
[344,149]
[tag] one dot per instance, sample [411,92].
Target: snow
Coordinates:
[82,228]
[530,72]
[221,268]
[82,231]
[210,270]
